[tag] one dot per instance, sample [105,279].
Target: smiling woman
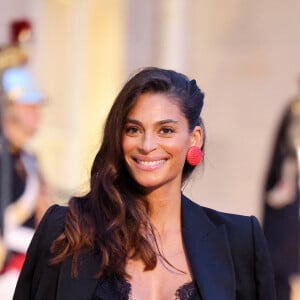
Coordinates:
[135,235]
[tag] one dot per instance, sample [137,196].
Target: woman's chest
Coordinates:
[166,281]
[120,289]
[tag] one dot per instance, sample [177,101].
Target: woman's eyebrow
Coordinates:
[161,122]
[166,121]
[134,121]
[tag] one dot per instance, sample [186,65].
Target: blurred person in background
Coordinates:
[24,196]
[281,202]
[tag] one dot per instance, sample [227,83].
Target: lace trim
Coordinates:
[124,290]
[184,292]
[112,288]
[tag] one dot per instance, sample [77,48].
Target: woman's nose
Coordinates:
[148,143]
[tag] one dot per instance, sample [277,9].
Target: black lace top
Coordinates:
[119,289]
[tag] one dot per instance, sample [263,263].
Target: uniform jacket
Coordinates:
[227,254]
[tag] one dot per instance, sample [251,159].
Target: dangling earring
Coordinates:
[194,156]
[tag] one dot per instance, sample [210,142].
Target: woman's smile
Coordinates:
[149,165]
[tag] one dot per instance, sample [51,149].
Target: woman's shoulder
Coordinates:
[239,227]
[51,224]
[243,232]
[58,211]
[219,217]
[232,221]
[55,213]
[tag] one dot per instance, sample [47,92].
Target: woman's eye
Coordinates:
[131,130]
[167,130]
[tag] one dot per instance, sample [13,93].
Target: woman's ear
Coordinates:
[197,137]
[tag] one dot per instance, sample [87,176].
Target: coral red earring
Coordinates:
[194,156]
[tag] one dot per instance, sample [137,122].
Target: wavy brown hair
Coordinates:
[113,218]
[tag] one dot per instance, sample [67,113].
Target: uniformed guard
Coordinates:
[22,187]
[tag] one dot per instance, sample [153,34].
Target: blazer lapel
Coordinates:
[208,251]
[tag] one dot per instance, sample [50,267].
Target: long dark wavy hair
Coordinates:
[113,218]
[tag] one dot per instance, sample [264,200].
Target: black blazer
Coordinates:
[227,254]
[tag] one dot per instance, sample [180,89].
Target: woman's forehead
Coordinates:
[155,102]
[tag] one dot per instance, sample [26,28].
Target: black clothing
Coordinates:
[282,230]
[227,254]
[17,181]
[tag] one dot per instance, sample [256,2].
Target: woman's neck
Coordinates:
[165,210]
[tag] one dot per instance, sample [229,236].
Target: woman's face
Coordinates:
[155,141]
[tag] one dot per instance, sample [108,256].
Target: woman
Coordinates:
[135,235]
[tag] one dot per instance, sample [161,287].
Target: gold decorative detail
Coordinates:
[12,56]
[295,106]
